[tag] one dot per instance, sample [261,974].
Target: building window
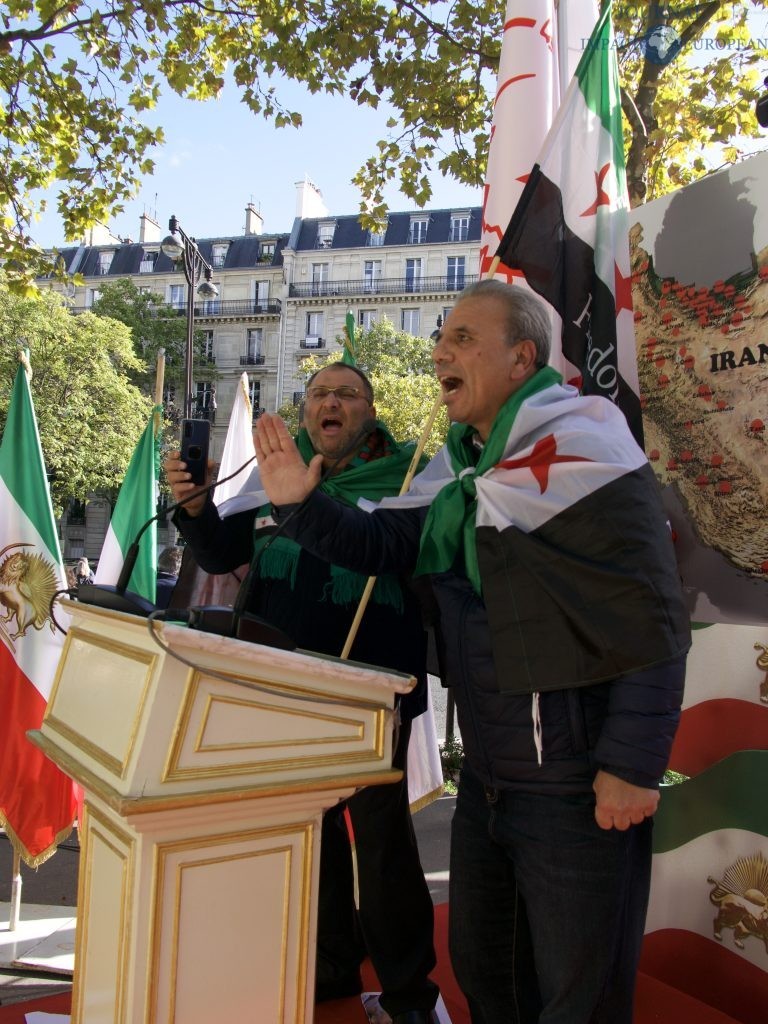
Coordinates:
[366,318]
[298,397]
[314,334]
[266,252]
[219,254]
[254,338]
[376,235]
[261,292]
[176,296]
[459,227]
[254,393]
[320,278]
[455,274]
[105,261]
[207,350]
[418,232]
[314,323]
[148,260]
[212,306]
[76,513]
[371,274]
[325,232]
[201,396]
[410,321]
[91,296]
[413,275]
[169,394]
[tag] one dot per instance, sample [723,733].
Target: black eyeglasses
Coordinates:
[344,391]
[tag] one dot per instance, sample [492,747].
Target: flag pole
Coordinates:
[493,267]
[404,487]
[159,384]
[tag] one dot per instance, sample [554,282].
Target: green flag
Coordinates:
[349,353]
[136,504]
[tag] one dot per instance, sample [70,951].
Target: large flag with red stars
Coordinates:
[569,232]
[540,48]
[527,96]
[37,801]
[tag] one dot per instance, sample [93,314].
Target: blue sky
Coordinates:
[218,156]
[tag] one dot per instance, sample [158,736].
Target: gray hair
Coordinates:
[527,317]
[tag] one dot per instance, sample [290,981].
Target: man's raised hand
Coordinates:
[284,474]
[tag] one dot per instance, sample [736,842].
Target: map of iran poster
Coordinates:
[700,291]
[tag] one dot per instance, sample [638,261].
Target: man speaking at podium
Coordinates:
[314,603]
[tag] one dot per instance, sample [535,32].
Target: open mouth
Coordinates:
[450,385]
[331,423]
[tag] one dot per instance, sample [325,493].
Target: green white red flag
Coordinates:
[707,923]
[569,234]
[38,803]
[136,504]
[725,707]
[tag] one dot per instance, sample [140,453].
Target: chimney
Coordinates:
[149,229]
[254,222]
[309,200]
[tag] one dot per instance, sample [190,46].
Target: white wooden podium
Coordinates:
[200,838]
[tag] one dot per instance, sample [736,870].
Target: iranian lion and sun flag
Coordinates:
[38,803]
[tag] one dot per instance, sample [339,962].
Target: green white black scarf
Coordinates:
[376,472]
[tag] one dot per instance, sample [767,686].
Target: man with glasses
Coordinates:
[541,528]
[315,603]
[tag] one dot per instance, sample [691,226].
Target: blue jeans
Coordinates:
[547,910]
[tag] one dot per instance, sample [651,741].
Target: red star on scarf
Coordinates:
[543,455]
[603,199]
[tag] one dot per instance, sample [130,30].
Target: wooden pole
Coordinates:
[493,267]
[404,487]
[159,384]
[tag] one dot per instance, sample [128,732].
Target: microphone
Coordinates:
[236,621]
[119,598]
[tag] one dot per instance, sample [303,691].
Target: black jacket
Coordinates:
[625,725]
[386,638]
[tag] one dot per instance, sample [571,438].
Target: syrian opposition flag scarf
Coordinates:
[569,232]
[557,523]
[545,451]
[377,471]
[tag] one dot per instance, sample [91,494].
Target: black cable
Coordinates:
[175,616]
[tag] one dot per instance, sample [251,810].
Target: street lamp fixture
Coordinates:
[180,248]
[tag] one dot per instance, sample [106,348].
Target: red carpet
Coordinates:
[656,1002]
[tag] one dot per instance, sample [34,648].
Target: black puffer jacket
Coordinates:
[625,725]
[387,637]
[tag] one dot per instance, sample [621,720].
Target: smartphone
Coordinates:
[195,440]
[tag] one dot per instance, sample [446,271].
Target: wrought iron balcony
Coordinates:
[382,286]
[252,360]
[244,308]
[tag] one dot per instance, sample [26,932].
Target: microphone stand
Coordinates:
[118,598]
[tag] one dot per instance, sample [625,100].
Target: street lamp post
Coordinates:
[180,248]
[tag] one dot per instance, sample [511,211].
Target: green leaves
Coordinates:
[89,414]
[74,82]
